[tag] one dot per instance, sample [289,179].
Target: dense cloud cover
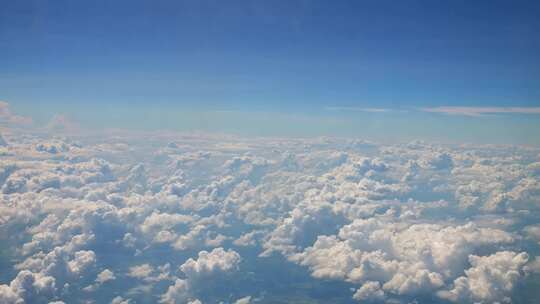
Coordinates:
[200,218]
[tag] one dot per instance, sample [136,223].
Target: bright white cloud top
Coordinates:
[201,218]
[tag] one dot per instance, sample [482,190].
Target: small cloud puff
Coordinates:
[210,263]
[104,276]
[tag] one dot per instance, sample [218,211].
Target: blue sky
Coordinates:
[293,57]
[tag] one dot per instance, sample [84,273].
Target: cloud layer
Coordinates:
[478,111]
[183,218]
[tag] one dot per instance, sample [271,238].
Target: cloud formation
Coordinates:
[183,218]
[358,109]
[479,111]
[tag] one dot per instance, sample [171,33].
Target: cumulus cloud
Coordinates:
[82,260]
[370,291]
[490,278]
[28,287]
[200,219]
[402,259]
[199,271]
[148,273]
[177,293]
[210,263]
[104,276]
[140,271]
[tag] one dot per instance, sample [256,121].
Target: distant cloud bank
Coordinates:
[196,218]
[479,111]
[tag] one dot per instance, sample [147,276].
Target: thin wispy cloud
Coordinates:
[358,109]
[479,111]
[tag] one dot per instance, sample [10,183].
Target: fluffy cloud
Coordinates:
[104,276]
[177,293]
[490,278]
[399,258]
[120,300]
[532,232]
[370,291]
[28,287]
[210,263]
[148,273]
[183,218]
[533,266]
[82,260]
[206,267]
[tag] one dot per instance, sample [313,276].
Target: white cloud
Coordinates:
[479,111]
[244,300]
[148,273]
[402,258]
[369,291]
[177,293]
[120,300]
[358,109]
[28,287]
[396,221]
[82,260]
[199,272]
[533,232]
[533,266]
[248,239]
[490,278]
[210,263]
[104,276]
[140,271]
[7,295]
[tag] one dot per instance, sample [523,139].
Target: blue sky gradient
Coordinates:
[288,57]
